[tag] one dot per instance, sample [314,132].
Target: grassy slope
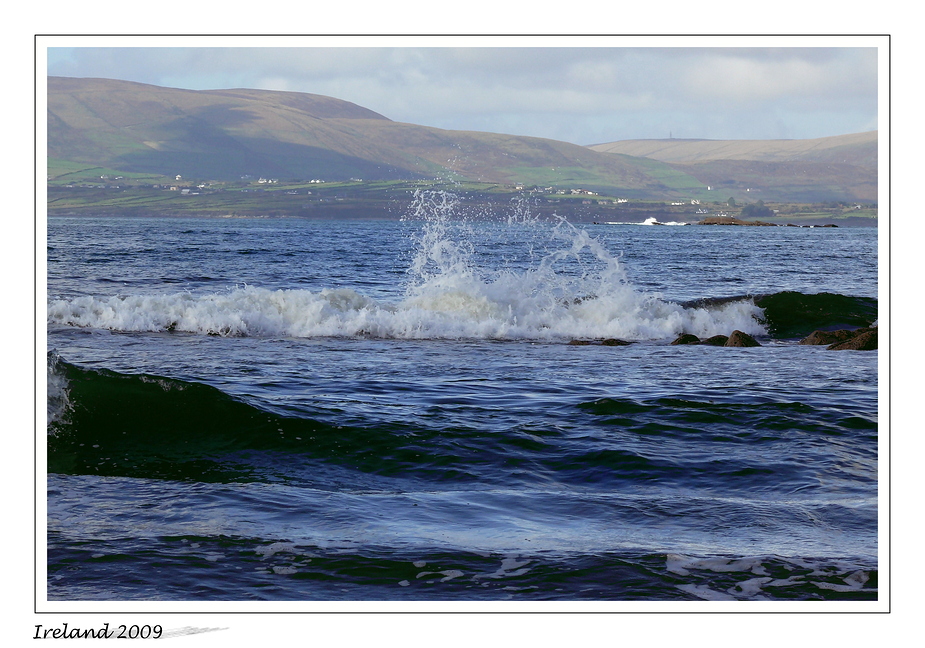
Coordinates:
[786,181]
[226,134]
[62,172]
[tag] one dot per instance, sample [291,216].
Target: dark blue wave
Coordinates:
[155,427]
[791,314]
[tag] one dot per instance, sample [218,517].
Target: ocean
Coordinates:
[457,405]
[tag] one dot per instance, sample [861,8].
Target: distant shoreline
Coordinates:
[392,200]
[359,214]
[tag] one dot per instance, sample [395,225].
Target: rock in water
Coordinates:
[614,342]
[716,340]
[828,337]
[687,338]
[865,341]
[740,339]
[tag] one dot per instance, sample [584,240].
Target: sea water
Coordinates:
[287,409]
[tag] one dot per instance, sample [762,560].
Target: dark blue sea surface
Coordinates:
[285,409]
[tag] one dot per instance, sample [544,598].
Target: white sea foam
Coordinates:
[274,548]
[655,221]
[284,570]
[575,288]
[510,566]
[649,221]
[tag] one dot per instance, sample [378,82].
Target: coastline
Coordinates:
[391,200]
[367,214]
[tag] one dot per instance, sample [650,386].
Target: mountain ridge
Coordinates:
[224,134]
[229,133]
[861,147]
[840,167]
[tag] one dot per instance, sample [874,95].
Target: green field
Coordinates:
[64,172]
[82,189]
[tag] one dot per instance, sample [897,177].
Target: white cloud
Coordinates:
[583,95]
[795,77]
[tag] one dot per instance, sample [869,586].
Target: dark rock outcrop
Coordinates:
[606,342]
[730,220]
[865,340]
[827,337]
[862,339]
[740,339]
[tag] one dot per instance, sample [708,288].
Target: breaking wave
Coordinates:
[573,288]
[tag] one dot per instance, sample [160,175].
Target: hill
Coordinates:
[225,134]
[121,128]
[858,149]
[836,168]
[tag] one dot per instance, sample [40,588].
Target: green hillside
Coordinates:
[225,134]
[145,133]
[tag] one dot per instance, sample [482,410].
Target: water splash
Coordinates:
[521,212]
[573,286]
[439,253]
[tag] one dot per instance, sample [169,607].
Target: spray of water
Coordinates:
[573,286]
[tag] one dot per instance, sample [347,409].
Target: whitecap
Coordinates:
[573,288]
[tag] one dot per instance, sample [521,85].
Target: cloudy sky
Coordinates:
[582,90]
